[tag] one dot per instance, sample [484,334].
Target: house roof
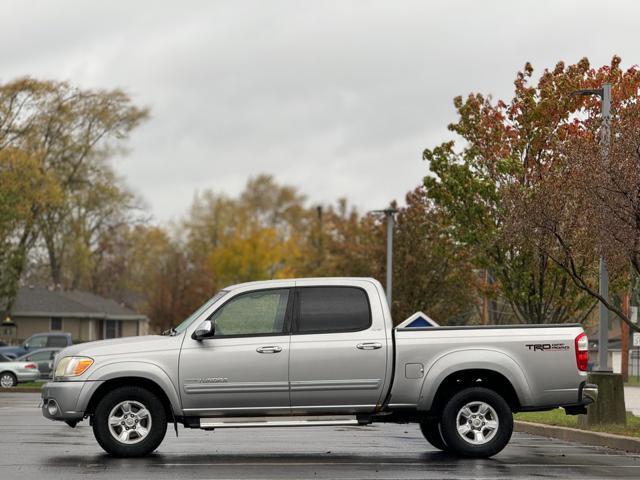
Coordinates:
[43,302]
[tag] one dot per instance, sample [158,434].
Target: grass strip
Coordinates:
[558,417]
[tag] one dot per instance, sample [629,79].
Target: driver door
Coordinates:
[243,368]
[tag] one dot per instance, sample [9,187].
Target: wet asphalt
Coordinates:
[33,447]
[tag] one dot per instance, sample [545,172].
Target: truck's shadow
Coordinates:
[225,459]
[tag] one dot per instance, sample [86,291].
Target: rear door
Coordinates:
[338,347]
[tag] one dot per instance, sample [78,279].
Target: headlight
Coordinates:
[72,366]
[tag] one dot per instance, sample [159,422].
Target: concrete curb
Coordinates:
[598,439]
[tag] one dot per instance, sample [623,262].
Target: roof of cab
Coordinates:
[276,282]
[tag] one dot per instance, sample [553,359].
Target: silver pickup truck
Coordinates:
[318,352]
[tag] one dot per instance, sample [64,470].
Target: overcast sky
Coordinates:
[337,98]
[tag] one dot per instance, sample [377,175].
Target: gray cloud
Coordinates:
[338,98]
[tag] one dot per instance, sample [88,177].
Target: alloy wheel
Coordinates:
[477,423]
[129,422]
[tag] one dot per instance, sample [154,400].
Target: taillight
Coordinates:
[31,365]
[582,352]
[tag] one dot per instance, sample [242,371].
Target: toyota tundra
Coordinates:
[318,352]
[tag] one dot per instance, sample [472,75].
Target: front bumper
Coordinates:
[62,400]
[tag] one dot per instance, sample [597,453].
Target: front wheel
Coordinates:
[129,422]
[477,422]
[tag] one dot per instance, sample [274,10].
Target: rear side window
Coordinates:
[333,309]
[57,341]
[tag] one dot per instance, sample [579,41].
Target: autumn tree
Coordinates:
[341,242]
[25,191]
[70,133]
[503,143]
[585,202]
[432,272]
[157,275]
[252,237]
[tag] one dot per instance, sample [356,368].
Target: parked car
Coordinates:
[12,372]
[313,352]
[2,344]
[43,358]
[38,341]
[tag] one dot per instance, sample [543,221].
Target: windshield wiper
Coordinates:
[171,332]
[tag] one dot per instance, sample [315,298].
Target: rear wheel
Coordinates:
[431,431]
[8,380]
[477,422]
[129,422]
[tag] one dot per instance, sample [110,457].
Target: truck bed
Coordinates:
[538,360]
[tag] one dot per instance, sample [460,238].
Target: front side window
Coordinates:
[37,342]
[254,313]
[333,309]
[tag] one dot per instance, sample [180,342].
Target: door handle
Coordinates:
[269,349]
[369,346]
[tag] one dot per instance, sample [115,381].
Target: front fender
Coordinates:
[473,359]
[128,368]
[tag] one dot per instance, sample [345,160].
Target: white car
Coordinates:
[12,372]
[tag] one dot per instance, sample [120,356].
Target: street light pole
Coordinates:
[603,288]
[389,213]
[391,220]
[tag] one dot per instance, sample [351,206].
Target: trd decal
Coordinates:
[546,347]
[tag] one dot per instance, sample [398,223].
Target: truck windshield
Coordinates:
[183,326]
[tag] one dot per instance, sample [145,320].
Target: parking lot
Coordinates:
[32,447]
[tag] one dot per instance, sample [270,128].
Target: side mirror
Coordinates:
[204,330]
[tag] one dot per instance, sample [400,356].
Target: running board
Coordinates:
[297,421]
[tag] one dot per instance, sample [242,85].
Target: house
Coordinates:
[85,315]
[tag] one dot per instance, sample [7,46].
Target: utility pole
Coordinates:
[485,297]
[624,338]
[389,213]
[610,406]
[603,289]
[320,242]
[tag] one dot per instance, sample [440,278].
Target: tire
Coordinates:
[8,380]
[431,431]
[474,410]
[144,418]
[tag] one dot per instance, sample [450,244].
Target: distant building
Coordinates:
[615,346]
[84,315]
